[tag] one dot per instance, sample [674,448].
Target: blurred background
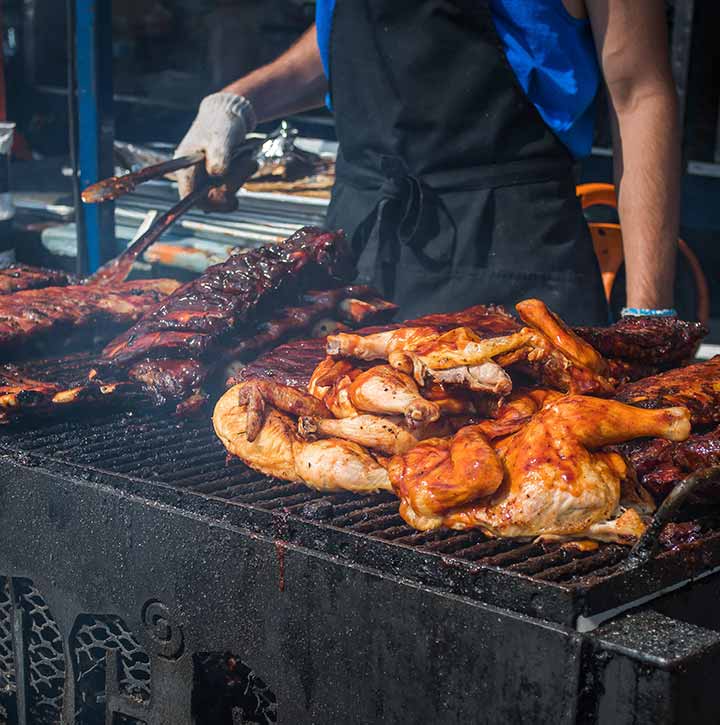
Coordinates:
[168,54]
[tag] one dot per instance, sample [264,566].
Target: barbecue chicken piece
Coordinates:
[31,317]
[389,435]
[381,345]
[257,395]
[559,358]
[196,321]
[294,363]
[549,350]
[348,390]
[441,474]
[697,387]
[330,382]
[385,390]
[558,482]
[325,465]
[429,354]
[535,313]
[515,411]
[22,276]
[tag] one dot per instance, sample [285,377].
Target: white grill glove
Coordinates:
[222,122]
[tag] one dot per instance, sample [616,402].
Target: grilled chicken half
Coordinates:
[557,481]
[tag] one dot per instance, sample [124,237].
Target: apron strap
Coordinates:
[408,213]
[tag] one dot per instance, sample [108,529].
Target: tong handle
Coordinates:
[116,186]
[649,542]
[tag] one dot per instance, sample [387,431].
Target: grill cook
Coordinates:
[458,122]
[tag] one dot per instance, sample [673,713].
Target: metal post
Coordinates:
[93,58]
[81,260]
[716,155]
[681,47]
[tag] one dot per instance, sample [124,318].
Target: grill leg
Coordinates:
[645,667]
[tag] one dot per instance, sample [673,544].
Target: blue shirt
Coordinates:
[552,54]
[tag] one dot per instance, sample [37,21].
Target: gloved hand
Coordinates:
[222,122]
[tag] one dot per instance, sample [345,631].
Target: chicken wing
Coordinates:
[255,395]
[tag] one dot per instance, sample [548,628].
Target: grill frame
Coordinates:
[518,576]
[332,641]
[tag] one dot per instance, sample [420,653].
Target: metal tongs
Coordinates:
[247,159]
[257,151]
[649,543]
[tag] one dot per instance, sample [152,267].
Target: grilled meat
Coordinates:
[389,435]
[382,389]
[441,474]
[294,363]
[229,295]
[658,341]
[697,387]
[229,298]
[98,306]
[168,380]
[22,276]
[660,464]
[31,317]
[278,450]
[557,480]
[317,316]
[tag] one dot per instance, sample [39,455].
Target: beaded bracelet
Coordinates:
[643,312]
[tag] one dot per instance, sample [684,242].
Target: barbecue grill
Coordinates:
[145,578]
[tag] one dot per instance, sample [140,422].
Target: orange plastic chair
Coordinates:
[607,241]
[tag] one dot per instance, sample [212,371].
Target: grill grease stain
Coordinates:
[280,547]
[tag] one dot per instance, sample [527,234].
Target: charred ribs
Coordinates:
[200,320]
[31,318]
[22,276]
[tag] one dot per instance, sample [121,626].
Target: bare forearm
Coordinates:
[631,42]
[292,83]
[647,173]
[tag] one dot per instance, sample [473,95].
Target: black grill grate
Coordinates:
[186,455]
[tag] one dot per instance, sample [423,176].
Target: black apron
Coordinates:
[451,187]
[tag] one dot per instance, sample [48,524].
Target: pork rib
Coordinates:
[31,317]
[697,387]
[660,464]
[23,276]
[199,319]
[660,341]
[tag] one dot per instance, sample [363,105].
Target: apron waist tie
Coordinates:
[408,213]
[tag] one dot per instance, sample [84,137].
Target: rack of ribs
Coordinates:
[697,387]
[202,318]
[659,464]
[23,276]
[41,307]
[32,318]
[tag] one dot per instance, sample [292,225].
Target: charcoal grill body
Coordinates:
[119,597]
